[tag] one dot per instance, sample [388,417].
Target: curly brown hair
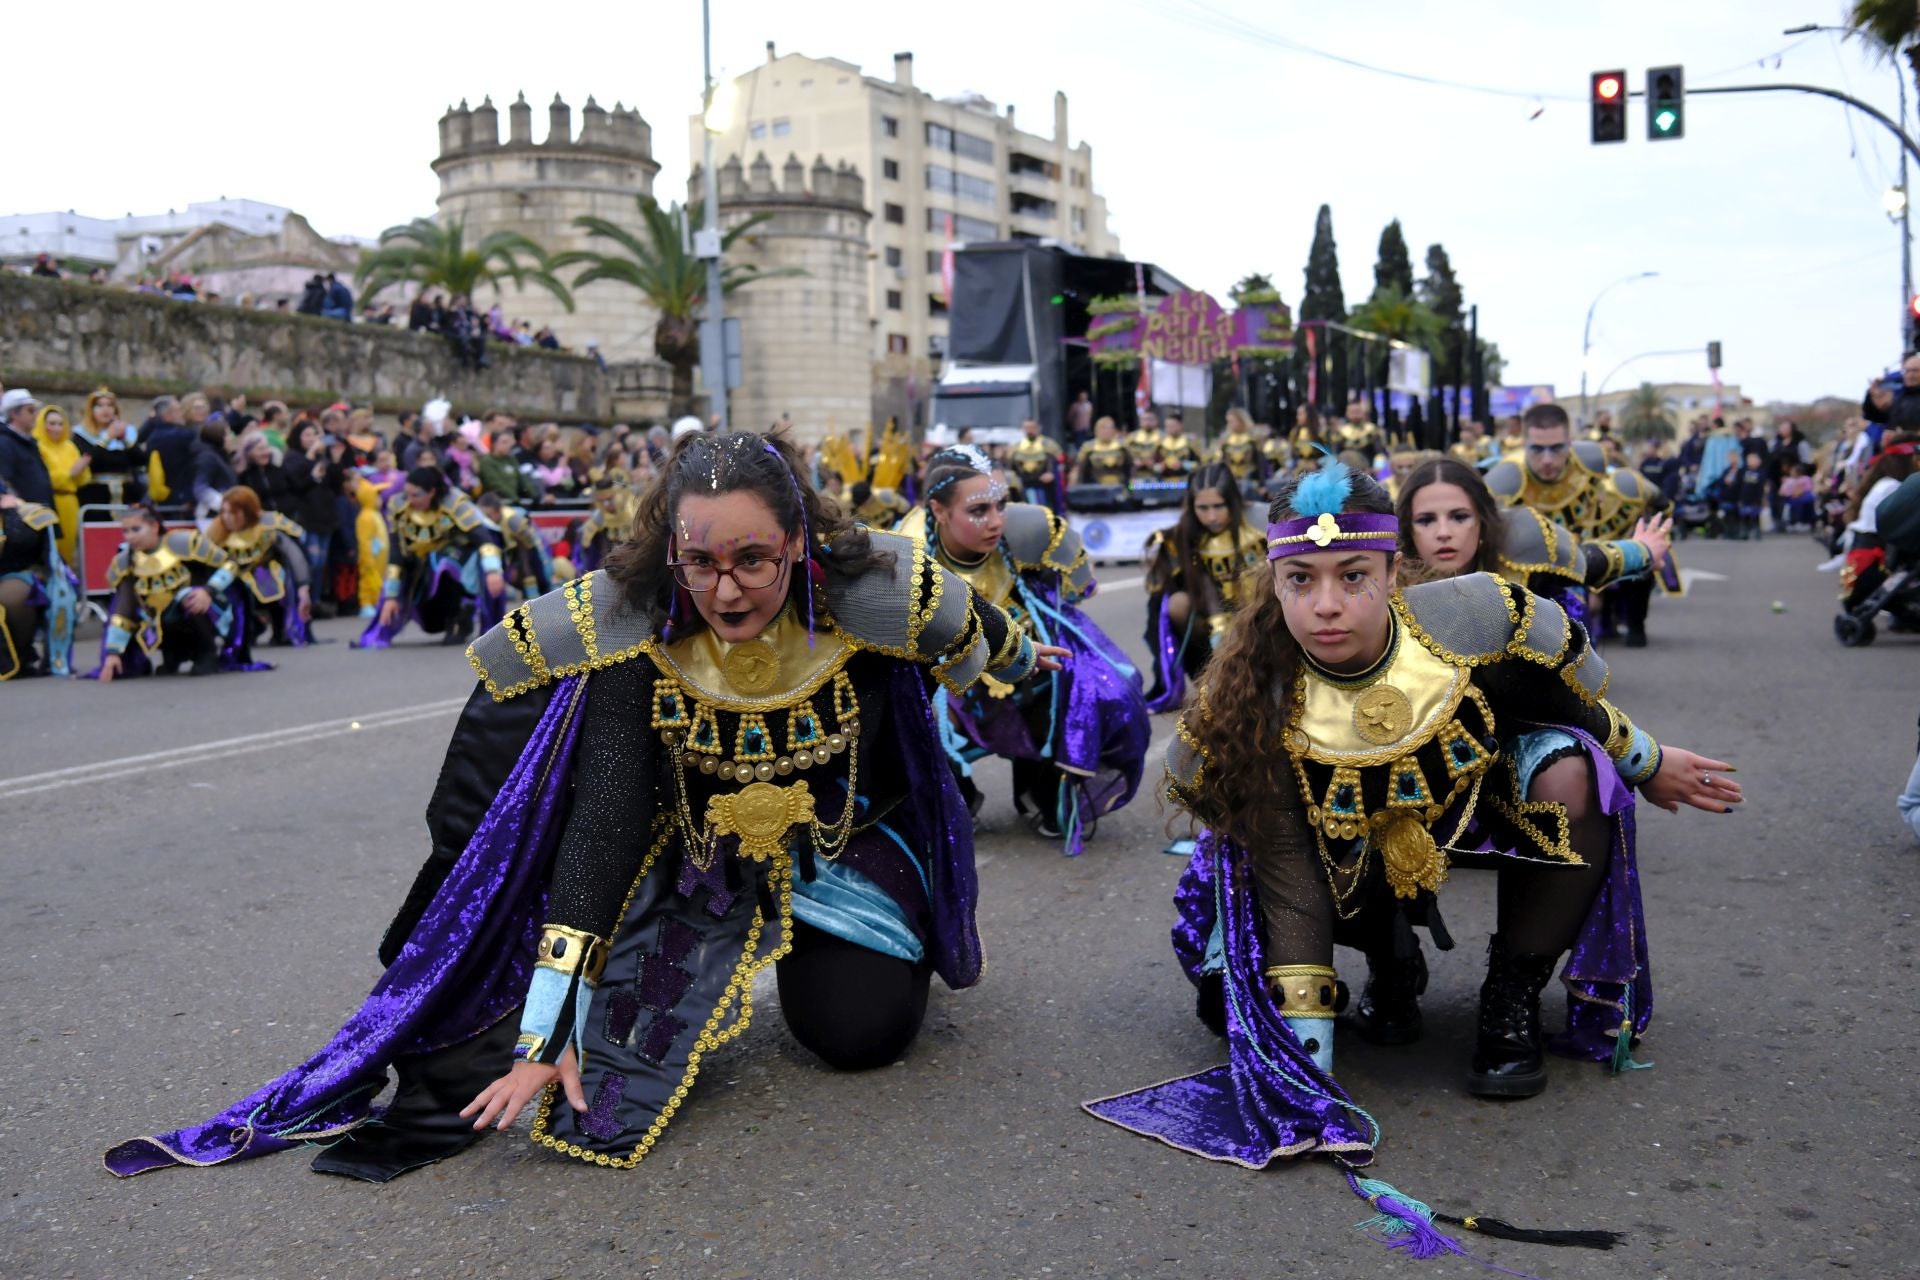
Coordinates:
[767,466]
[1237,716]
[1486,556]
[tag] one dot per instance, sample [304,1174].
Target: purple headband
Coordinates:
[1352,530]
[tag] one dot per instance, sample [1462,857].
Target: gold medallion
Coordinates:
[751,668]
[1382,714]
[761,815]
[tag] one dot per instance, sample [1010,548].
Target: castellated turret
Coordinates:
[806,341]
[538,188]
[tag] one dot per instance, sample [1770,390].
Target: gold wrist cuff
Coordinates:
[1302,990]
[528,1048]
[572,951]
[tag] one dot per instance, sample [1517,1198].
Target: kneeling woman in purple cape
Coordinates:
[445,572]
[1348,740]
[1078,741]
[675,772]
[1194,569]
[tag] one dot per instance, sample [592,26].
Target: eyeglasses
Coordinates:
[752,573]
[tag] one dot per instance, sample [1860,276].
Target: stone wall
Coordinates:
[60,338]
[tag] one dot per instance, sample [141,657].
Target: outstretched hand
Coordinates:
[1655,533]
[507,1097]
[1046,657]
[1685,777]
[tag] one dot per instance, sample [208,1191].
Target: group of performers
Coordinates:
[743,735]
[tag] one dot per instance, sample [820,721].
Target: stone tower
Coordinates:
[806,341]
[538,189]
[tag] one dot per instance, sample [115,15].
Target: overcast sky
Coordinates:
[1213,146]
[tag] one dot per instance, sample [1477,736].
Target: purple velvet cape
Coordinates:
[469,959]
[488,609]
[1100,727]
[1169,647]
[1270,1101]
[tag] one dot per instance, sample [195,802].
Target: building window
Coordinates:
[897,344]
[936,304]
[966,145]
[966,186]
[890,170]
[893,300]
[1079,218]
[781,128]
[933,259]
[757,130]
[937,345]
[896,214]
[964,227]
[889,126]
[894,257]
[806,84]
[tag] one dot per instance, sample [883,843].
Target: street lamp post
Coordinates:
[1908,337]
[1586,335]
[706,243]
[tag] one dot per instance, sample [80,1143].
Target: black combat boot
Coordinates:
[1388,1011]
[1507,1058]
[462,629]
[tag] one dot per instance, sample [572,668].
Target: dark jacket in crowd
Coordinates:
[269,481]
[313,299]
[1902,415]
[311,490]
[22,469]
[173,444]
[210,469]
[423,315]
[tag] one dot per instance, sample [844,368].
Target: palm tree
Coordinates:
[663,268]
[1890,28]
[1393,313]
[433,256]
[1645,415]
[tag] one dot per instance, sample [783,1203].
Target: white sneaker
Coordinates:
[1833,565]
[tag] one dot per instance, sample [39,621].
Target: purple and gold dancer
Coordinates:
[445,570]
[715,755]
[173,604]
[273,574]
[524,555]
[1077,741]
[1451,524]
[1463,717]
[39,595]
[1568,481]
[609,524]
[1194,570]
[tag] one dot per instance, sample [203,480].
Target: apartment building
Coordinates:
[931,164]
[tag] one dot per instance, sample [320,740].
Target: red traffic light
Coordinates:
[1913,305]
[1606,88]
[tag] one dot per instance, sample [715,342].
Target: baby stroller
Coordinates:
[1897,526]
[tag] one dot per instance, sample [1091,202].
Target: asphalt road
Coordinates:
[196,873]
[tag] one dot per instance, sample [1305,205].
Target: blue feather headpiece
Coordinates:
[1319,522]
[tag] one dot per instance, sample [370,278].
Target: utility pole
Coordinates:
[1907,328]
[706,245]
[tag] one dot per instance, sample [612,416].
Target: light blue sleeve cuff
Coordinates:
[118,638]
[220,581]
[1022,665]
[489,560]
[1634,558]
[1640,761]
[547,997]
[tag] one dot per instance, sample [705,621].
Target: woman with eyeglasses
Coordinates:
[1077,740]
[715,755]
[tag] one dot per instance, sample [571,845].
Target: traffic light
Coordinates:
[1610,106]
[1666,103]
[1713,351]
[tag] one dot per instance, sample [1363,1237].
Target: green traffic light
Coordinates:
[1057,299]
[1665,120]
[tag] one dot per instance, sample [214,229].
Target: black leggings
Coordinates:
[852,1006]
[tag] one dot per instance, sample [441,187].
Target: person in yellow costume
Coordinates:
[67,468]
[370,535]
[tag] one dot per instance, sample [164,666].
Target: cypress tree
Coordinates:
[1323,299]
[1440,290]
[1393,267]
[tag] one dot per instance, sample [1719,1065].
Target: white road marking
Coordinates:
[220,749]
[1117,584]
[1700,575]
